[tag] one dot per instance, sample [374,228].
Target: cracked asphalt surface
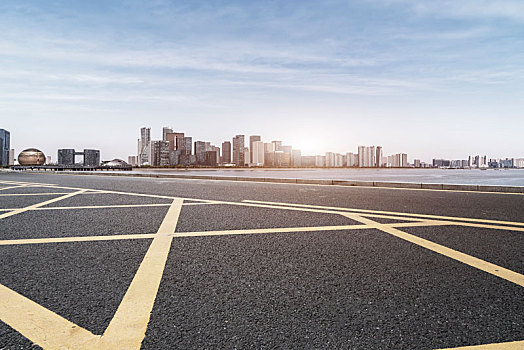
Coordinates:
[346,289]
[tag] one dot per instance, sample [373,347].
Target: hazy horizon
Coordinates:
[430,79]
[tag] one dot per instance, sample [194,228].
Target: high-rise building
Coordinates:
[296,158]
[378,157]
[308,161]
[247,159]
[518,163]
[185,145]
[5,146]
[172,138]
[201,147]
[339,160]
[320,161]
[143,146]
[132,160]
[159,153]
[165,131]
[12,157]
[226,152]
[278,145]
[366,156]
[351,159]
[416,163]
[238,150]
[257,150]
[48,160]
[91,157]
[330,159]
[252,139]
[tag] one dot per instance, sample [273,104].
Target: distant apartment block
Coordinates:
[238,150]
[5,146]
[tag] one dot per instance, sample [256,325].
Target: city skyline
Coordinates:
[432,80]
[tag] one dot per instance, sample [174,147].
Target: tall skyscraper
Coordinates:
[172,138]
[278,145]
[351,159]
[252,139]
[143,146]
[5,146]
[296,158]
[238,150]
[330,159]
[165,131]
[257,150]
[226,152]
[185,145]
[12,157]
[366,156]
[378,157]
[201,147]
[159,153]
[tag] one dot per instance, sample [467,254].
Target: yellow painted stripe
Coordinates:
[106,206]
[40,325]
[31,194]
[299,229]
[128,327]
[31,207]
[480,264]
[425,216]
[513,345]
[76,239]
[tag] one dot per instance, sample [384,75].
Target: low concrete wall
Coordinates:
[381,184]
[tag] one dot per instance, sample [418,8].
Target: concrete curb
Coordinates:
[381,184]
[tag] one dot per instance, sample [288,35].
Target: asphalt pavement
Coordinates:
[255,265]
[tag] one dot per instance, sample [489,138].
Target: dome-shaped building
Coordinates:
[31,156]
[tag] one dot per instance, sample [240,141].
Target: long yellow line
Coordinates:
[480,264]
[424,216]
[75,239]
[128,327]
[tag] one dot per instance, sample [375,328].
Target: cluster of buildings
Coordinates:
[480,162]
[178,149]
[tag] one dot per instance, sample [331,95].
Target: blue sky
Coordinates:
[429,78]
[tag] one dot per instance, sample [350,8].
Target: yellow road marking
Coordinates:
[513,345]
[208,233]
[75,239]
[32,194]
[31,207]
[128,327]
[297,229]
[480,264]
[106,206]
[40,325]
[11,187]
[425,216]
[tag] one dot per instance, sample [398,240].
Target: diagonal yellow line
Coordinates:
[404,215]
[128,327]
[40,325]
[513,345]
[480,264]
[34,206]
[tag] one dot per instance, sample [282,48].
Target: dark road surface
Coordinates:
[289,277]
